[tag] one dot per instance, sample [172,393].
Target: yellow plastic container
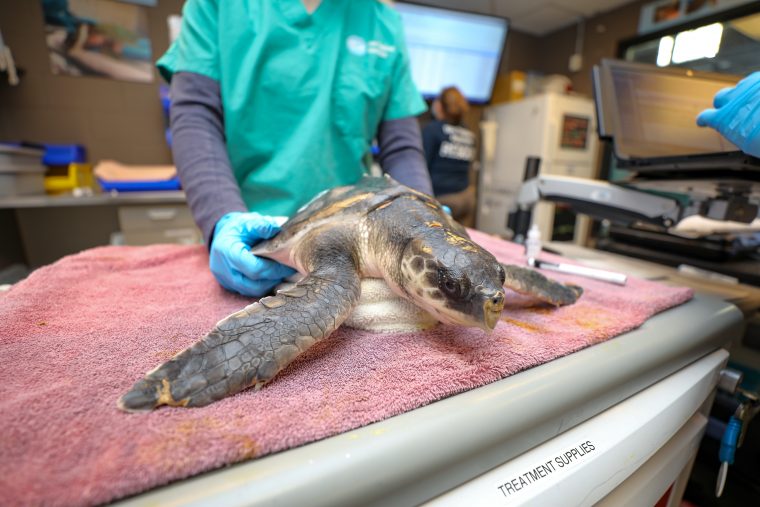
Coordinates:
[509,87]
[65,178]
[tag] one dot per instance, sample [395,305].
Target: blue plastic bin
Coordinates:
[64,154]
[140,186]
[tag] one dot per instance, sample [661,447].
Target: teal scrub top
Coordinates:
[302,94]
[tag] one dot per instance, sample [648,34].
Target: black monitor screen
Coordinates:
[651,111]
[450,48]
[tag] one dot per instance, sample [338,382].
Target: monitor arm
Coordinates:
[626,205]
[600,199]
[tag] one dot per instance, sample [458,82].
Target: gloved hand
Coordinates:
[737,114]
[231,261]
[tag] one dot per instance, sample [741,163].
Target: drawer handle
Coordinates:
[162,214]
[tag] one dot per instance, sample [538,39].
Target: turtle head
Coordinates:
[454,279]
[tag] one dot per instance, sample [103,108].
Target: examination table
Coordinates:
[618,421]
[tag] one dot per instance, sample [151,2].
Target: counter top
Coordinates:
[745,297]
[113,198]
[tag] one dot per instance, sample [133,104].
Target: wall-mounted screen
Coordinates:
[451,48]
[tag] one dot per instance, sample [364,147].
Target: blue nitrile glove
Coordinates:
[737,114]
[231,260]
[446,209]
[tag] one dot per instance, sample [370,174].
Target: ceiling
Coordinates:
[537,17]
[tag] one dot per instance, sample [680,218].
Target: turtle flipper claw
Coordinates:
[142,397]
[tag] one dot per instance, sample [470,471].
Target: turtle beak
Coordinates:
[492,308]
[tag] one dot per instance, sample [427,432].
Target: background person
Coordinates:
[449,152]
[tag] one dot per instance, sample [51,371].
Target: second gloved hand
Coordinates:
[737,114]
[231,260]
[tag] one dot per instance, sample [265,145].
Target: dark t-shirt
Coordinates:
[449,150]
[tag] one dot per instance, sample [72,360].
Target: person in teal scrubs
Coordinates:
[274,101]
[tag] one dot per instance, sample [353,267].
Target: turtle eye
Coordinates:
[448,284]
[451,287]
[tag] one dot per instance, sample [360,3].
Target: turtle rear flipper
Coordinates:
[250,347]
[533,283]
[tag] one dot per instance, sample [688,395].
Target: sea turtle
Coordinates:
[377,228]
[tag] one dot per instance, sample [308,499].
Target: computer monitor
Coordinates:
[650,112]
[451,48]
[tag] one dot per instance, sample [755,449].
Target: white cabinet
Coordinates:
[558,129]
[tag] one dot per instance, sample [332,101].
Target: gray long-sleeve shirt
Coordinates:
[200,153]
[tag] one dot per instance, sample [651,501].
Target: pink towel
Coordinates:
[77,334]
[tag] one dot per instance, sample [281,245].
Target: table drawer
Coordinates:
[180,235]
[155,217]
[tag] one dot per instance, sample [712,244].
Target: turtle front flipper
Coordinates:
[250,347]
[533,283]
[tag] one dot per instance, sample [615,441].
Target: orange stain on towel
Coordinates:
[245,445]
[175,450]
[590,318]
[524,325]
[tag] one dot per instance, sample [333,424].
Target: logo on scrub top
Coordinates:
[359,47]
[356,45]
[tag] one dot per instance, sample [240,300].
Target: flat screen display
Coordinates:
[653,110]
[450,48]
